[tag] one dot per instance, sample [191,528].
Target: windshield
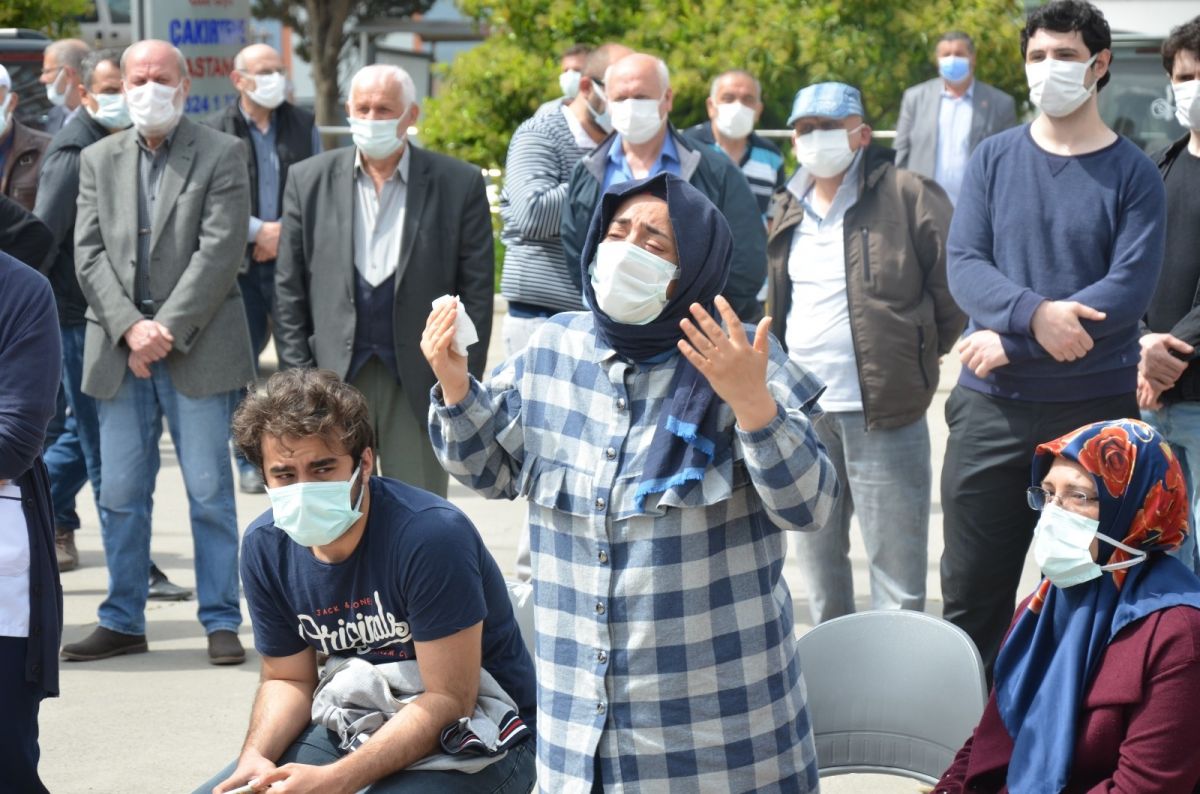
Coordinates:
[1137,102]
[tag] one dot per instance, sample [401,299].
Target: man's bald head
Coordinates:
[642,68]
[602,57]
[251,57]
[153,60]
[67,52]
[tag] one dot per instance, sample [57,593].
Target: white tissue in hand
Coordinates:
[465,334]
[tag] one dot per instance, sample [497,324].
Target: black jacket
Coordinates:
[22,235]
[293,143]
[1187,388]
[30,352]
[58,191]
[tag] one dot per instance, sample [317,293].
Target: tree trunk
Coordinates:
[327,32]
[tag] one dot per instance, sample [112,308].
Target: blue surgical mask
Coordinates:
[954,68]
[316,513]
[1062,547]
[111,112]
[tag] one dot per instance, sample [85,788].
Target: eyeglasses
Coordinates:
[1037,497]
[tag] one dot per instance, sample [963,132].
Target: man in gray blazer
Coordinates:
[372,235]
[942,120]
[160,235]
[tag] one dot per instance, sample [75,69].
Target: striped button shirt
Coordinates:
[664,642]
[541,156]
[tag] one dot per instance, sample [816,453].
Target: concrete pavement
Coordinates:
[167,720]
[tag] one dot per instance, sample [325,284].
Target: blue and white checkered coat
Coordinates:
[664,639]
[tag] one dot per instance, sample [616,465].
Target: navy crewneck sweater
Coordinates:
[1032,226]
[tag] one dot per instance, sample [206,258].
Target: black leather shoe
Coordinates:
[250,481]
[102,644]
[224,647]
[163,589]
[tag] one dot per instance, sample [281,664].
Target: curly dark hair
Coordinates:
[1066,16]
[1184,37]
[298,403]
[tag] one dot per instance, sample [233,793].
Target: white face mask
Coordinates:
[57,97]
[825,153]
[568,81]
[1187,106]
[636,119]
[154,107]
[5,117]
[378,138]
[603,120]
[1056,87]
[630,282]
[269,90]
[1062,547]
[734,120]
[111,111]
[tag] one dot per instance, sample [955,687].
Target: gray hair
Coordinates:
[712,89]
[958,35]
[660,66]
[88,69]
[179,59]
[377,70]
[69,53]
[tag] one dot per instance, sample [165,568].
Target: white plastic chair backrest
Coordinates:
[521,596]
[891,692]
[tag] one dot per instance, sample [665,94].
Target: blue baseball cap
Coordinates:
[831,100]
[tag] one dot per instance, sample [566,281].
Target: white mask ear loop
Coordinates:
[1138,554]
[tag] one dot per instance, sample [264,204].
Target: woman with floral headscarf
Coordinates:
[1098,682]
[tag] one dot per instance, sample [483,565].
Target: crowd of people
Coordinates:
[709,363]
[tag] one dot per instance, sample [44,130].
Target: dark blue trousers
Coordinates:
[19,704]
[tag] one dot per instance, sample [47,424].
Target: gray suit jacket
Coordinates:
[446,249]
[917,129]
[198,234]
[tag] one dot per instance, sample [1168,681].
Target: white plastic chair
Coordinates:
[521,596]
[891,692]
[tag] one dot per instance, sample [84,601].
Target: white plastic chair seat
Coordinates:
[890,692]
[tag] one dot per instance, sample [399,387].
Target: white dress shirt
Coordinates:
[379,220]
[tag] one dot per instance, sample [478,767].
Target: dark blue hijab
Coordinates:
[686,437]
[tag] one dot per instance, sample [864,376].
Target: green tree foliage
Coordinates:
[881,46]
[56,18]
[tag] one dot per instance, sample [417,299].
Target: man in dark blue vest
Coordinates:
[278,134]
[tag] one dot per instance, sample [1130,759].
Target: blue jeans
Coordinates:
[258,297]
[513,774]
[130,428]
[74,457]
[1179,424]
[886,480]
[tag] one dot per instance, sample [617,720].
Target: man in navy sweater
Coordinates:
[1054,252]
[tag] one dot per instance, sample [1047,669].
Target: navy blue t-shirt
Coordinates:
[420,572]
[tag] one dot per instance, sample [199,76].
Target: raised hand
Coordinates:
[735,368]
[449,367]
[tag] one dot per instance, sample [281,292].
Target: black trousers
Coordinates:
[987,524]
[19,704]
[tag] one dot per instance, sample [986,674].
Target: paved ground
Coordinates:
[167,720]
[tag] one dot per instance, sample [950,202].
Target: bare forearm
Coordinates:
[405,739]
[282,709]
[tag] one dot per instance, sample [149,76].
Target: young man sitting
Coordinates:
[351,565]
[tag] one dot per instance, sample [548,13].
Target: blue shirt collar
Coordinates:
[616,153]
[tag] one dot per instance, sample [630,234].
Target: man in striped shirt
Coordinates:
[537,280]
[734,106]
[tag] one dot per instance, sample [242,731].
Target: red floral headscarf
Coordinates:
[1143,497]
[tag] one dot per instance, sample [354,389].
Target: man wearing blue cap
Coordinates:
[857,277]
